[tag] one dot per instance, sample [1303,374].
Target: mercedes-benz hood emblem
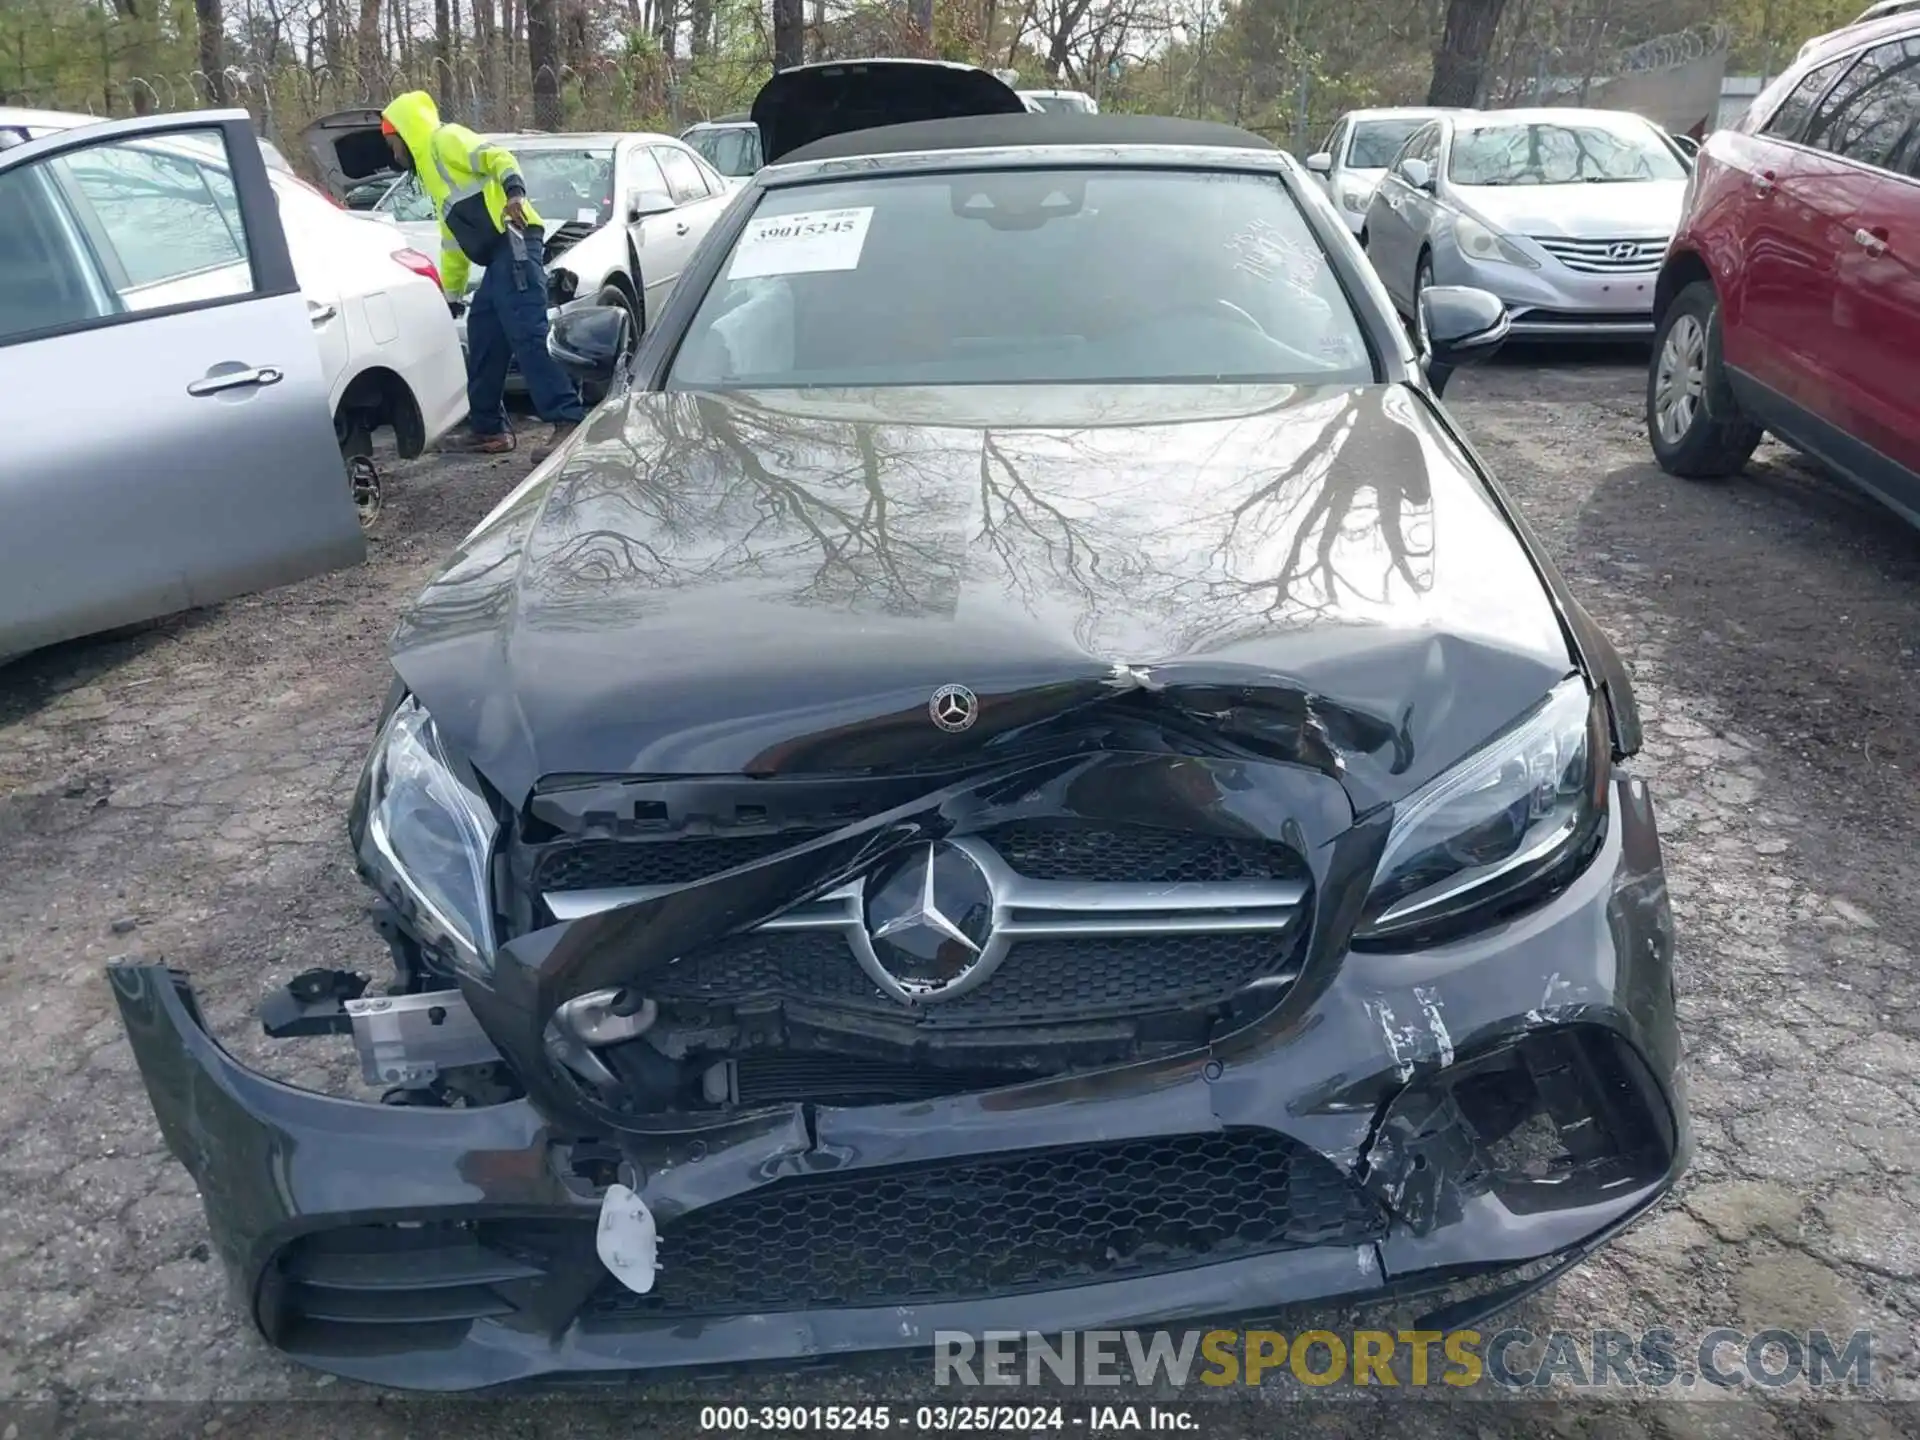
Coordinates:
[953,707]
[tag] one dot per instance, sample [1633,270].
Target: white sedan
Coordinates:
[388,347]
[625,212]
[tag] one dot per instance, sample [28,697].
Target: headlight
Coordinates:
[1500,828]
[1356,200]
[429,834]
[1477,242]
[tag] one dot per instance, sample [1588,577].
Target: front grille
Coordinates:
[1624,256]
[1121,855]
[1138,855]
[772,1078]
[611,864]
[1072,979]
[998,1225]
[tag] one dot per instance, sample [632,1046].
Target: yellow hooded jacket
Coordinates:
[469,180]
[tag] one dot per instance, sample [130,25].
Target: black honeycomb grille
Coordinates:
[999,1225]
[609,864]
[1041,980]
[1138,855]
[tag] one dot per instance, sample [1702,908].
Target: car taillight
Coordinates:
[418,264]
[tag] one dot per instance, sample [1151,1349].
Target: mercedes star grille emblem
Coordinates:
[1622,250]
[953,707]
[929,927]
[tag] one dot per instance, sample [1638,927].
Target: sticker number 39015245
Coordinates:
[810,241]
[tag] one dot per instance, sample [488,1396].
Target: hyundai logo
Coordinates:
[1623,250]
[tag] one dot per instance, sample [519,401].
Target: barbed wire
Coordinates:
[1670,52]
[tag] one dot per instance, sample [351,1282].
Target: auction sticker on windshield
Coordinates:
[801,244]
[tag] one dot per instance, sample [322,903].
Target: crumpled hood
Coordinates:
[772,584]
[1631,210]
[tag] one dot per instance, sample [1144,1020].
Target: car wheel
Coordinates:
[1693,422]
[1422,279]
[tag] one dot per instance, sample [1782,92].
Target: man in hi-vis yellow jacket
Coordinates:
[486,220]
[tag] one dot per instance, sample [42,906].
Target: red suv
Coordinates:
[1790,299]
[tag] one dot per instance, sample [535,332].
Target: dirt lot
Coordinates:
[182,791]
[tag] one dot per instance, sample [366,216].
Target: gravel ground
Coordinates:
[181,791]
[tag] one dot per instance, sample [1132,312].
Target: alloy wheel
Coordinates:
[1680,377]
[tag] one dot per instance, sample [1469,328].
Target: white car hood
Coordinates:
[594,257]
[1579,212]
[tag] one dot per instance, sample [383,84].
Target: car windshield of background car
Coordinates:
[733,153]
[568,186]
[1116,276]
[1560,154]
[1376,142]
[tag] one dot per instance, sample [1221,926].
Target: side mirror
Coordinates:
[591,341]
[1320,163]
[1463,326]
[642,204]
[1416,173]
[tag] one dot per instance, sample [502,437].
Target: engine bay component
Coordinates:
[410,1040]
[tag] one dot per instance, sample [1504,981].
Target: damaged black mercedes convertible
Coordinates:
[1017,774]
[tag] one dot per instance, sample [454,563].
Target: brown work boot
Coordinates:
[471,444]
[562,432]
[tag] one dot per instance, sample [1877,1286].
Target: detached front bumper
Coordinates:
[1555,303]
[1323,1159]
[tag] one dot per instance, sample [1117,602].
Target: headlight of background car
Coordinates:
[1356,200]
[1501,828]
[1477,242]
[428,835]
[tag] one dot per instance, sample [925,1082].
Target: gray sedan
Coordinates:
[1564,214]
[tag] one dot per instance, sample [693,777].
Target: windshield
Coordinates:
[568,186]
[1376,142]
[733,152]
[1065,104]
[1025,277]
[1561,154]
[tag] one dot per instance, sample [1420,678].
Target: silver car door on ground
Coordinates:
[169,442]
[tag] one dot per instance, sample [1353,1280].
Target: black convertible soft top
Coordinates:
[994,132]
